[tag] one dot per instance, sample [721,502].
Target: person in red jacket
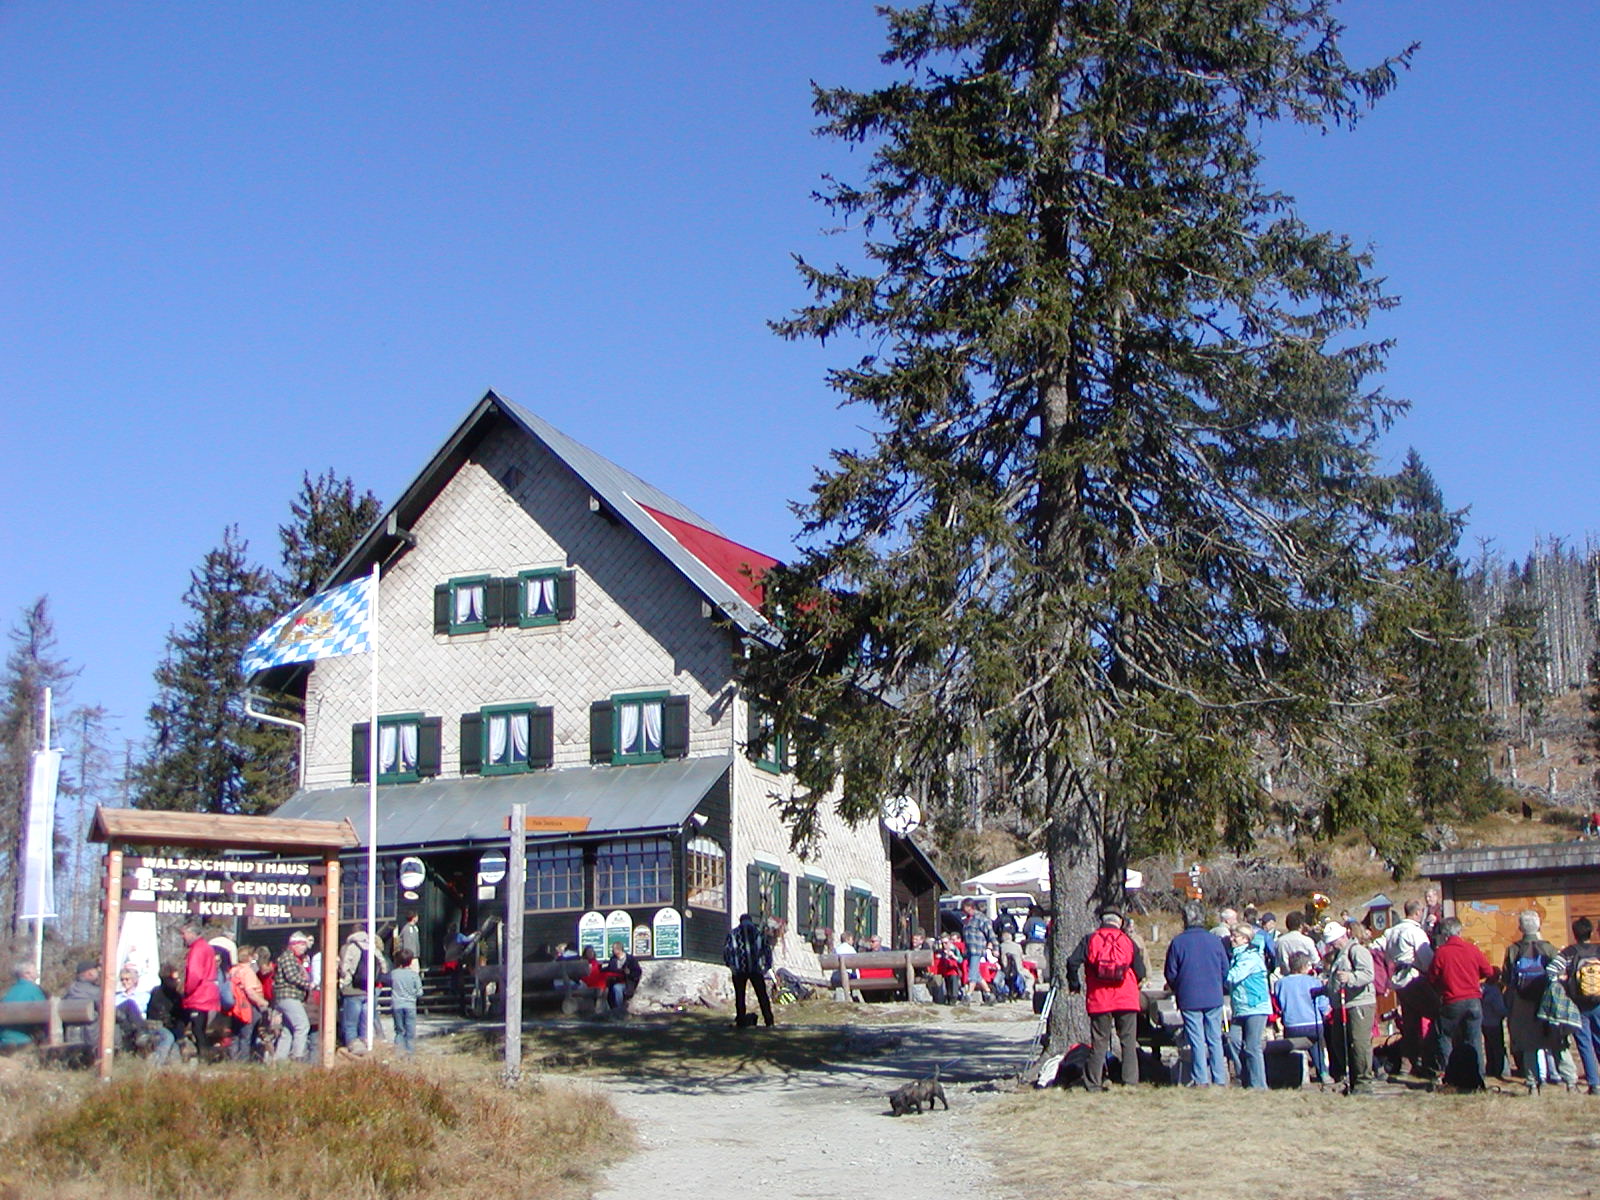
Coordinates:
[1113,968]
[1457,974]
[200,995]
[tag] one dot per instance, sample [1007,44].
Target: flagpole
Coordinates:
[372,819]
[38,921]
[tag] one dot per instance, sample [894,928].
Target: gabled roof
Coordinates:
[705,556]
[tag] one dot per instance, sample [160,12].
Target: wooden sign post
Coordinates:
[189,885]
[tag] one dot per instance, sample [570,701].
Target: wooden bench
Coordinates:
[906,964]
[52,1014]
[558,982]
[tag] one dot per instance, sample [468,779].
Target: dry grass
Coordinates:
[441,1129]
[1222,1145]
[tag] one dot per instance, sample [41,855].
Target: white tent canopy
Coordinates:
[1030,874]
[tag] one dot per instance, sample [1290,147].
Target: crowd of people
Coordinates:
[224,1000]
[1451,1021]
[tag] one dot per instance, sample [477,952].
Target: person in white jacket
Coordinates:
[1409,950]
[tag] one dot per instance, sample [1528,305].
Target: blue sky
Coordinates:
[241,242]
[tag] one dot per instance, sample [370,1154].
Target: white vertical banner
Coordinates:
[139,946]
[39,844]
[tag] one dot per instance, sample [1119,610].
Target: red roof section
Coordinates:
[740,567]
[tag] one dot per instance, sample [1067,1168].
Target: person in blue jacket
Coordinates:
[1252,1005]
[1196,971]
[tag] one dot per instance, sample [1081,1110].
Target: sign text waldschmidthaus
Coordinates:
[255,889]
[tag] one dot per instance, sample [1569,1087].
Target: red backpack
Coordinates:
[1382,972]
[1109,955]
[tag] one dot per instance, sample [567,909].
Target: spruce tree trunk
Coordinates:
[1072,848]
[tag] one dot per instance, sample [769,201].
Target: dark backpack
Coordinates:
[1109,955]
[1585,976]
[1528,972]
[224,989]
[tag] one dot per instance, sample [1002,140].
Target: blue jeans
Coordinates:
[1202,1029]
[166,1043]
[296,1025]
[1245,1036]
[352,1014]
[405,1026]
[1588,1043]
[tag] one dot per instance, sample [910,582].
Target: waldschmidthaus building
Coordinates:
[555,631]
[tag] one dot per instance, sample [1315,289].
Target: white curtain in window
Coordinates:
[518,724]
[469,603]
[497,739]
[628,728]
[652,726]
[408,747]
[387,745]
[542,596]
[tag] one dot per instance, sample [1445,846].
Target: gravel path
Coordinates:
[826,1131]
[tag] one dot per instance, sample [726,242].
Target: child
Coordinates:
[1494,1027]
[1303,1004]
[405,988]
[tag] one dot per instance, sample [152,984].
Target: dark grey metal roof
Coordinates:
[1492,860]
[625,492]
[600,472]
[648,796]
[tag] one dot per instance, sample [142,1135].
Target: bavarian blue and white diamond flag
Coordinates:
[330,624]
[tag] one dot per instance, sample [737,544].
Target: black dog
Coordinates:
[914,1095]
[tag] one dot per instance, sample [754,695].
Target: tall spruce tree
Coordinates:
[205,754]
[31,666]
[1118,507]
[1426,752]
[327,518]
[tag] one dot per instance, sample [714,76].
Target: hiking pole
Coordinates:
[1349,1039]
[1036,1047]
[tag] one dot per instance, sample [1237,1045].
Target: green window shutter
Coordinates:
[827,907]
[600,746]
[566,595]
[441,608]
[429,752]
[752,891]
[542,737]
[783,896]
[872,917]
[493,603]
[360,751]
[675,727]
[471,743]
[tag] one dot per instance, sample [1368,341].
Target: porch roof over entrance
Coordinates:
[644,798]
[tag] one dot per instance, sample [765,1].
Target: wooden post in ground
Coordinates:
[328,1039]
[516,870]
[108,951]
